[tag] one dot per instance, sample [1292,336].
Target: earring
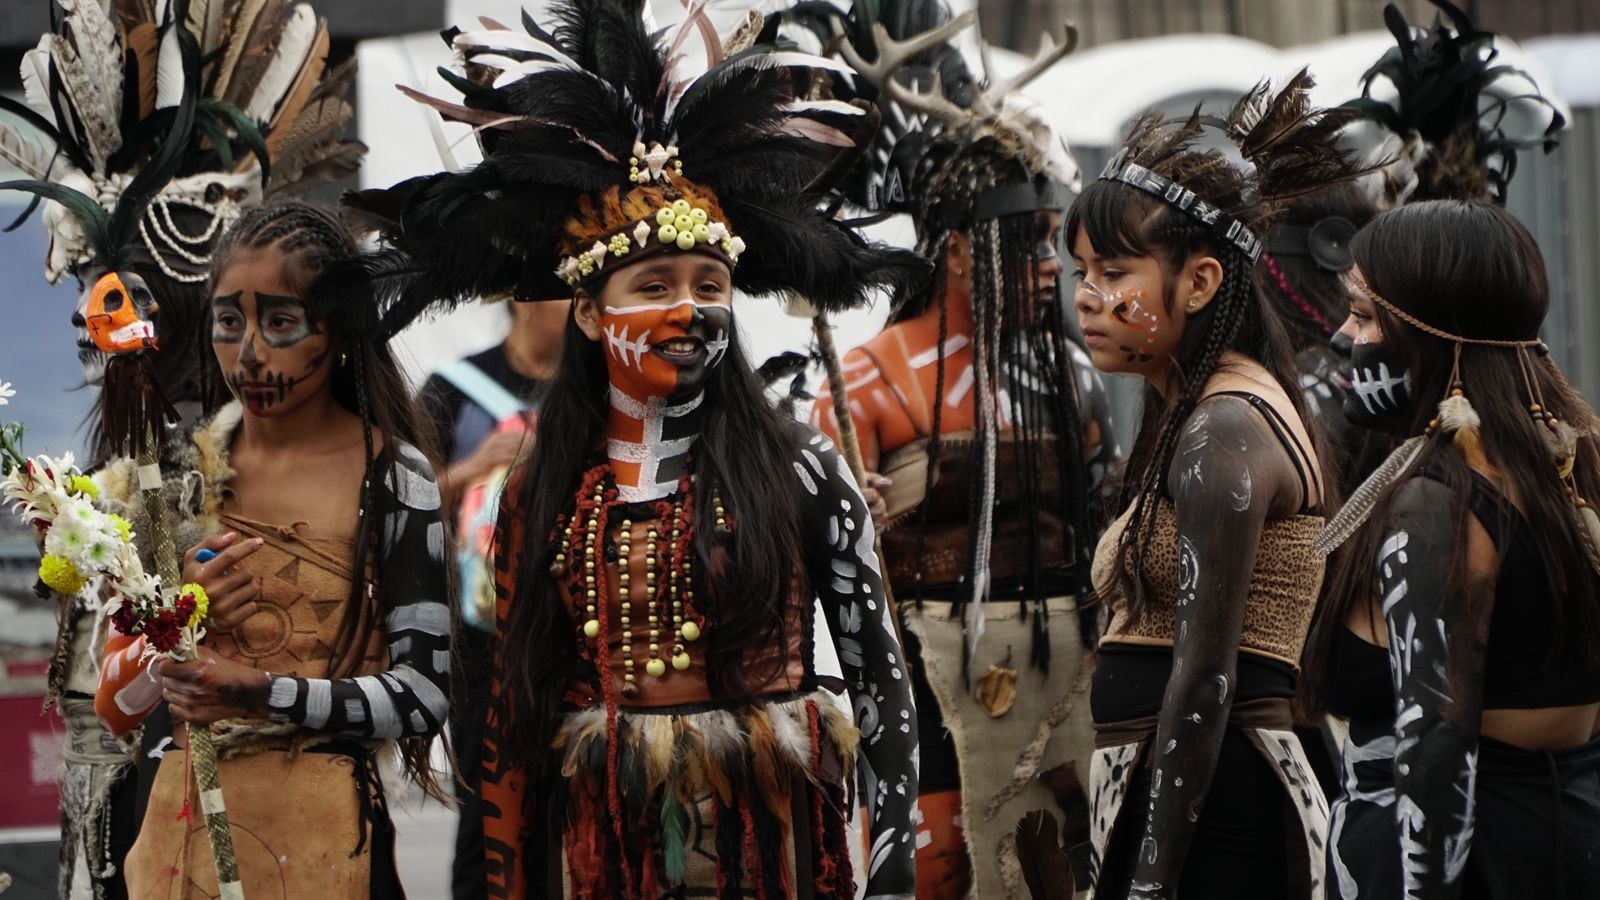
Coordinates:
[1191,305]
[344,359]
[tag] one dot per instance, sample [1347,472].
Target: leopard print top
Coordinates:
[1283,588]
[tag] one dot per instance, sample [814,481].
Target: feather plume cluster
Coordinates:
[198,107]
[1450,132]
[1280,149]
[559,113]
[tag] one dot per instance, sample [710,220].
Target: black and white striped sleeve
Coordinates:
[410,699]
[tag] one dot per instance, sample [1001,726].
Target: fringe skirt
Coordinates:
[701,802]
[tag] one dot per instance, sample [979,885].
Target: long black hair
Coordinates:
[312,239]
[745,452]
[1471,269]
[1286,150]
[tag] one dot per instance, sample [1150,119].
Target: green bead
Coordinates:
[591,628]
[681,206]
[665,215]
[680,661]
[684,223]
[699,215]
[690,631]
[685,240]
[667,234]
[655,668]
[702,234]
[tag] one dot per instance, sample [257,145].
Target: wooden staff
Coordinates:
[848,442]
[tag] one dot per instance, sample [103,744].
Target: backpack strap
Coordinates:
[498,402]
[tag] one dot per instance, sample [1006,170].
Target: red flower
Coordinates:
[126,619]
[165,630]
[185,607]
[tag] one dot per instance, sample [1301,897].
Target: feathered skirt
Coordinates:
[701,802]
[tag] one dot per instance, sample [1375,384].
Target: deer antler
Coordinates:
[892,56]
[993,97]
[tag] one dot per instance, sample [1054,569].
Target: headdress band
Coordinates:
[1360,284]
[1119,169]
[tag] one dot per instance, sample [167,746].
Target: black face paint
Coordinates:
[297,328]
[227,319]
[1379,395]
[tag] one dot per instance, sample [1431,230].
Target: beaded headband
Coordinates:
[679,224]
[1119,169]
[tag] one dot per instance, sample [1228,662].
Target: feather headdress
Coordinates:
[599,148]
[1279,149]
[97,136]
[1458,119]
[952,143]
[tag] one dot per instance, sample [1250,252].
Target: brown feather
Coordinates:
[1045,867]
[241,22]
[338,81]
[299,95]
[141,43]
[260,47]
[324,164]
[772,774]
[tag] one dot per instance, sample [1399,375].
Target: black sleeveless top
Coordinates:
[1520,669]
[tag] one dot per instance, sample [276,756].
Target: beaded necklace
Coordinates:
[668,597]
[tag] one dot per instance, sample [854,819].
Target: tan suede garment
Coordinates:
[294,815]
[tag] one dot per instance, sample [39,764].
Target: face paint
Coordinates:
[1379,396]
[1131,309]
[272,355]
[120,314]
[664,351]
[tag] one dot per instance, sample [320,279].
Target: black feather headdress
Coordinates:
[148,127]
[598,150]
[1450,127]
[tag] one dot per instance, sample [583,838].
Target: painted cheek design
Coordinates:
[261,392]
[1128,307]
[642,353]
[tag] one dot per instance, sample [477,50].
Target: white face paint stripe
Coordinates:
[652,307]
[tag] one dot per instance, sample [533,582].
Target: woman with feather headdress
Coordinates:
[662,723]
[235,93]
[979,407]
[1208,575]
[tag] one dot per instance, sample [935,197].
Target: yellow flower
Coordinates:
[124,530]
[83,484]
[60,575]
[201,603]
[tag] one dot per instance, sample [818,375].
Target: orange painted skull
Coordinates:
[121,314]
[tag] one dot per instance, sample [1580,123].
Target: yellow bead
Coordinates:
[702,234]
[665,215]
[655,668]
[684,223]
[699,215]
[685,240]
[680,661]
[690,631]
[591,628]
[667,233]
[681,206]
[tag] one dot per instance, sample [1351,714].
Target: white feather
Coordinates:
[36,79]
[833,106]
[169,66]
[297,40]
[96,41]
[516,71]
[447,157]
[491,41]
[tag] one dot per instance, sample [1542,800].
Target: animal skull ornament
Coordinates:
[120,314]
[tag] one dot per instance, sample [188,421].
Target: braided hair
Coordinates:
[1019,338]
[1283,150]
[313,240]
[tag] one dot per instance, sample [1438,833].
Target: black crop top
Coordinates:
[1520,671]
